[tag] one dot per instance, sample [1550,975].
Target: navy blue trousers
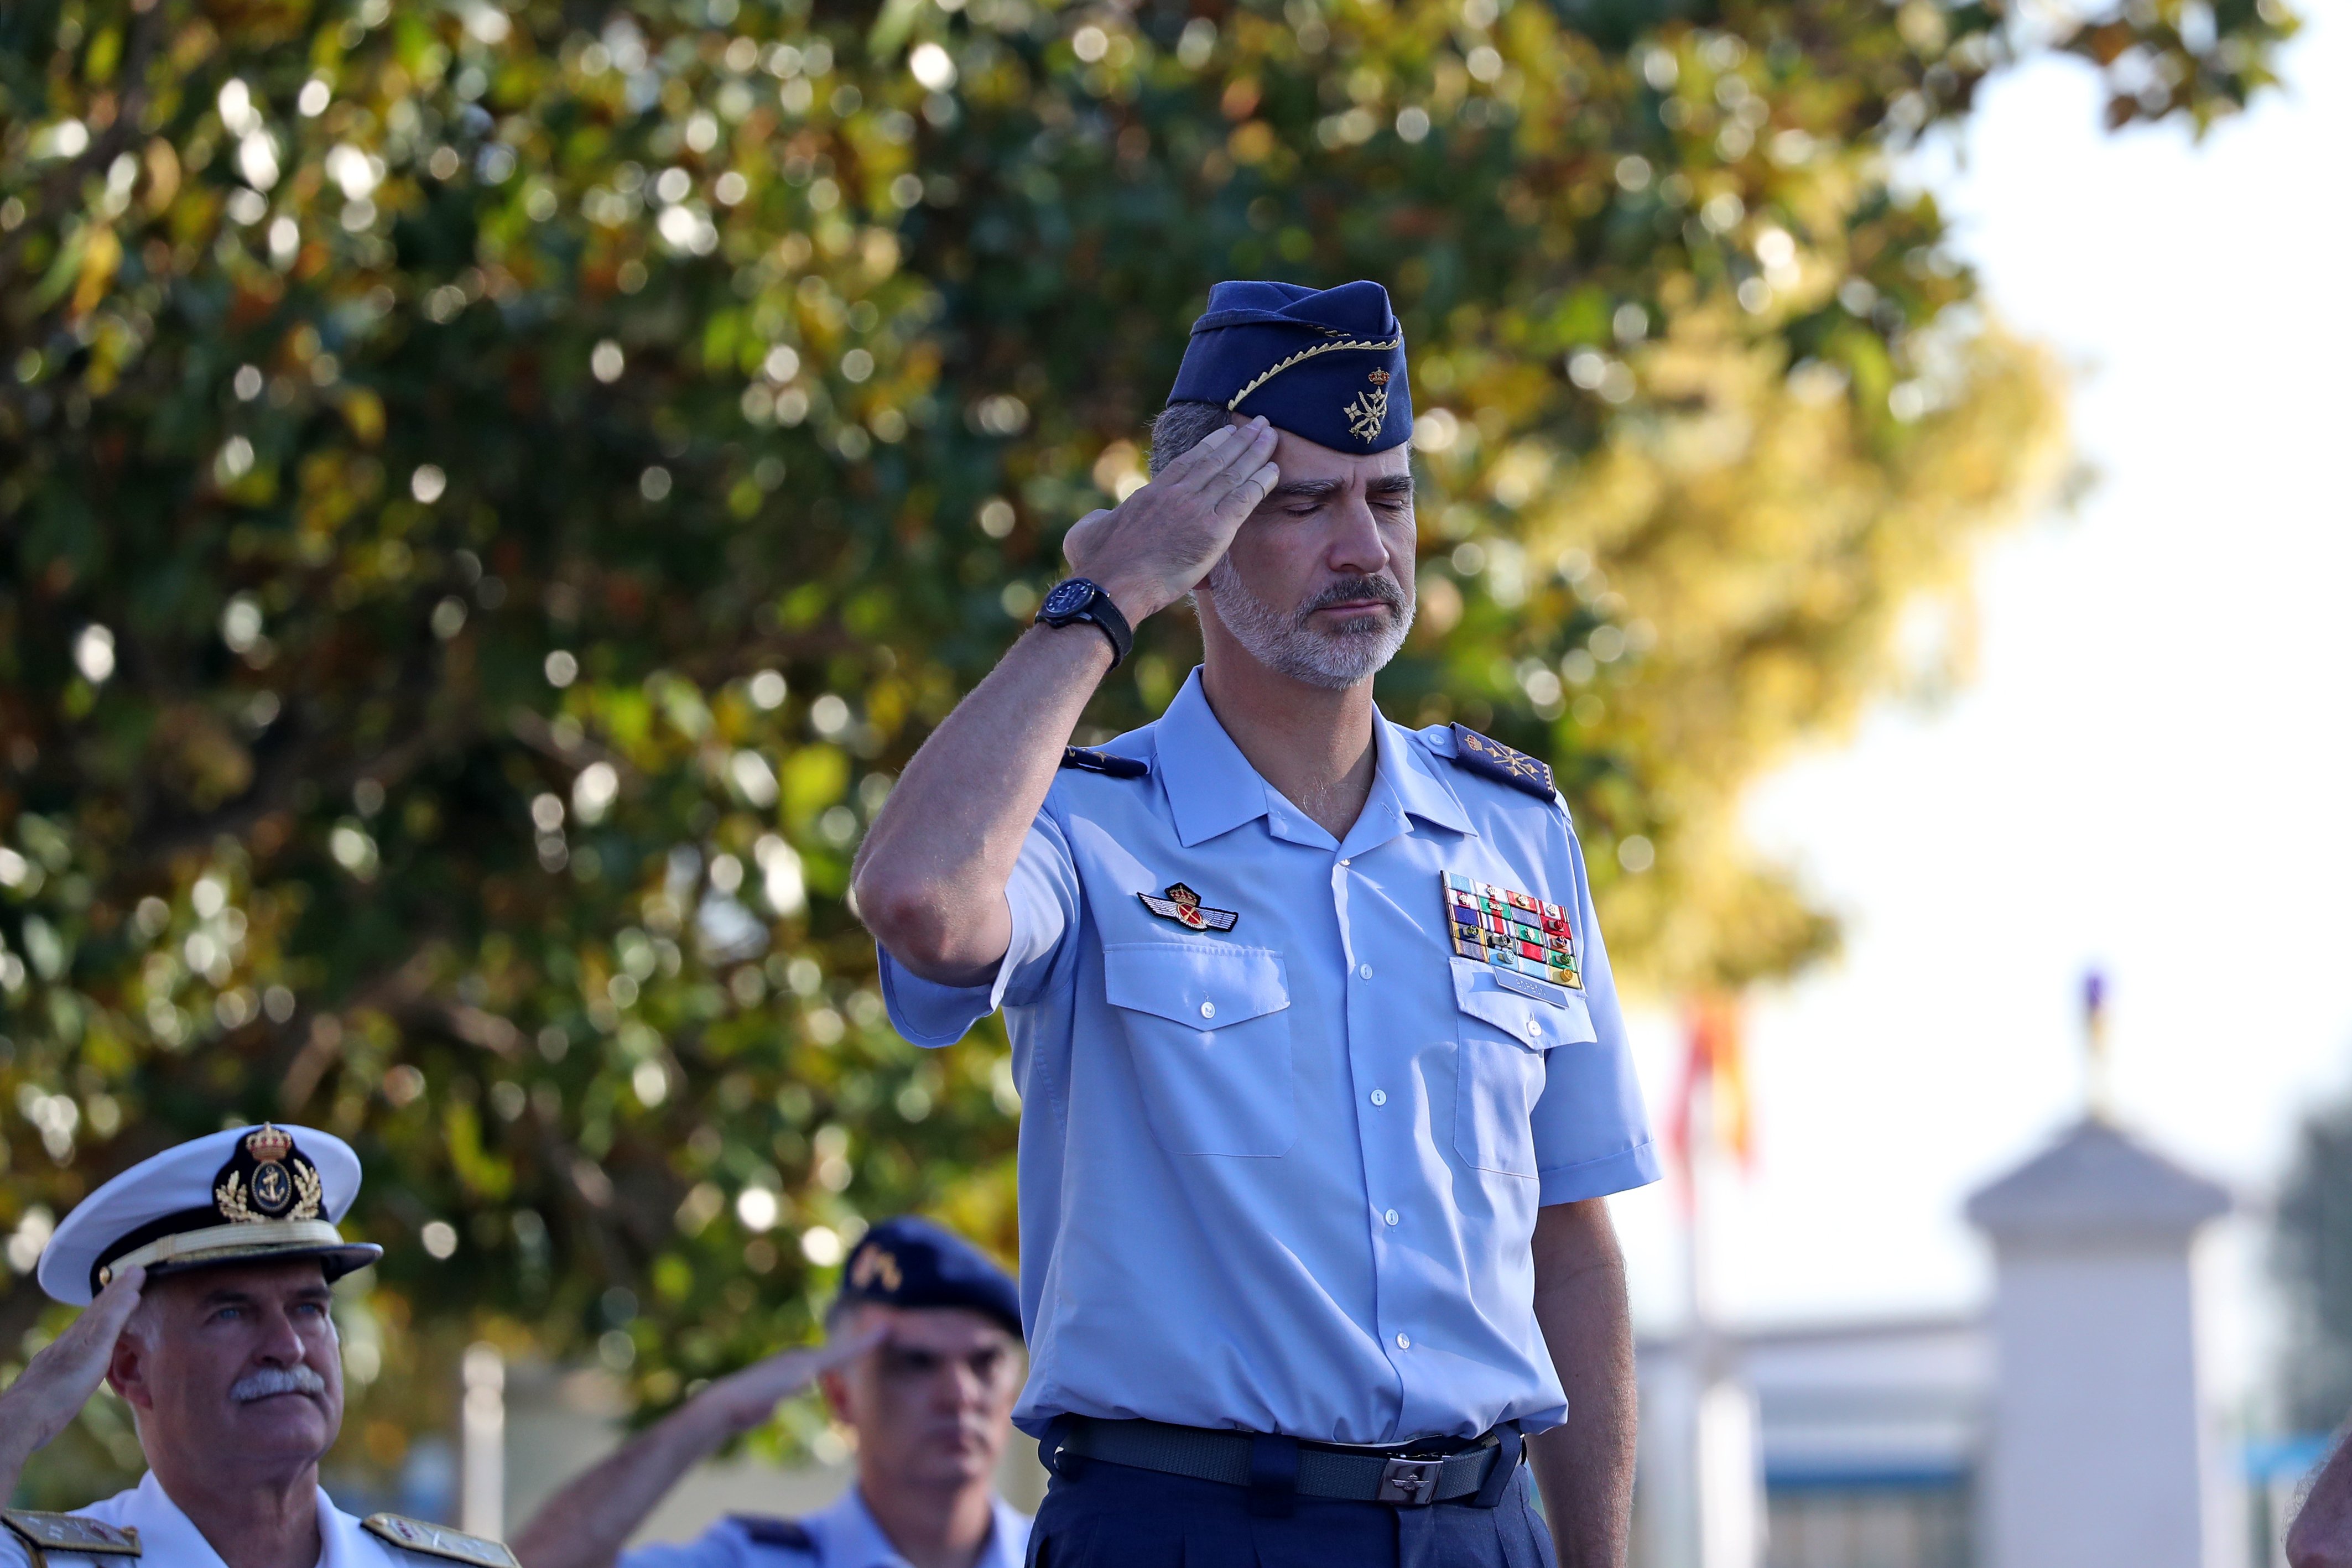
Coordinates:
[1114,1516]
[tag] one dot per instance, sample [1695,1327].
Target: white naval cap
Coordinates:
[231,1197]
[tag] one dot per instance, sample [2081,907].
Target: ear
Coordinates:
[127,1368]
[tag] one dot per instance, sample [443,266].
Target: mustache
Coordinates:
[271,1381]
[1384,589]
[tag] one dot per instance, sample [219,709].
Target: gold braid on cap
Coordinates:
[1281,365]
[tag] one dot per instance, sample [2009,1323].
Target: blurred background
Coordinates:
[491,493]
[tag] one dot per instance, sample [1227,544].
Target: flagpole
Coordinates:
[1721,1443]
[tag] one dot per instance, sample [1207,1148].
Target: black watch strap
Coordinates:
[1076,598]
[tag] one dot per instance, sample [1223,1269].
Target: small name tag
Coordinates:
[1511,980]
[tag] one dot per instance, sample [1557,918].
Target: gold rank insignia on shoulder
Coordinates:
[1182,905]
[1510,931]
[1491,758]
[69,1532]
[438,1540]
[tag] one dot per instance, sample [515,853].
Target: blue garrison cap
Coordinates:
[911,1261]
[1327,364]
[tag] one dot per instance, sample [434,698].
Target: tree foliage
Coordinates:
[492,493]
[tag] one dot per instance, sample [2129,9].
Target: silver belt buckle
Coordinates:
[1412,1482]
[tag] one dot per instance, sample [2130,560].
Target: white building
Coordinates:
[2106,1448]
[2074,1425]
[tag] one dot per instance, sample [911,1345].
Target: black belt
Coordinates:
[1397,1476]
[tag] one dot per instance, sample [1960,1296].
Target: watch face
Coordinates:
[1069,598]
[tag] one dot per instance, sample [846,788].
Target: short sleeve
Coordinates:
[1591,1132]
[1042,895]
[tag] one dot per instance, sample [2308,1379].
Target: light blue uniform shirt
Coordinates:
[1283,1177]
[842,1536]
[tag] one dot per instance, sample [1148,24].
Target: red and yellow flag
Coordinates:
[1711,1102]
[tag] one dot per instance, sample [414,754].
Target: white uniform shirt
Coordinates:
[168,1539]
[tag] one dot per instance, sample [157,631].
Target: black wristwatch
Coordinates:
[1076,598]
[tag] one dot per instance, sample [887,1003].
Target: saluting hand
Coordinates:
[54,1386]
[583,1525]
[1150,549]
[741,1400]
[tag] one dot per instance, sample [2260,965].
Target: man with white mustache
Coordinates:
[209,1274]
[1324,1081]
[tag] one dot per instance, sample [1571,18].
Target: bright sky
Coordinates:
[2150,771]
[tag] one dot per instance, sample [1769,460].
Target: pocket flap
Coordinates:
[1536,1013]
[1203,985]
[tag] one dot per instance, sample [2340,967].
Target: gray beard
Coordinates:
[1353,650]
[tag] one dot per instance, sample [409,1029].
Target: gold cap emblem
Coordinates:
[873,1263]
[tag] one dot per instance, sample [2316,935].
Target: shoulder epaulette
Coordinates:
[1499,762]
[766,1529]
[438,1540]
[1087,760]
[69,1532]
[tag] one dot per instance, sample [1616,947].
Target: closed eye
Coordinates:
[1303,497]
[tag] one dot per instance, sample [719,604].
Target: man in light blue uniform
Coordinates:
[1323,1071]
[920,1363]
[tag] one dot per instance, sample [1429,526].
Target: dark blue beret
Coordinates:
[911,1261]
[1327,364]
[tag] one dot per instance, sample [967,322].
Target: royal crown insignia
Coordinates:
[267,1178]
[1378,378]
[1182,905]
[1366,415]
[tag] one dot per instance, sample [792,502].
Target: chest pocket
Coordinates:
[1210,1043]
[1507,1033]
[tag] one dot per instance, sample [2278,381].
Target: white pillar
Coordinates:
[1730,1444]
[1701,1473]
[2104,1449]
[482,1451]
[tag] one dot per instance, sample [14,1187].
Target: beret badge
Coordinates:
[874,1263]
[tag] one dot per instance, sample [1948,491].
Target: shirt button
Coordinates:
[1347,863]
[1364,972]
[1535,1027]
[1390,1216]
[1379,1096]
[1208,1009]
[1405,1341]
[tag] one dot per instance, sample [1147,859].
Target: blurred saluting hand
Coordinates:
[58,1382]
